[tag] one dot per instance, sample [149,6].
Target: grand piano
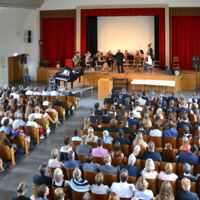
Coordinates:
[68,75]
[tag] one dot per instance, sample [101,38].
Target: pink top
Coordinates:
[99,152]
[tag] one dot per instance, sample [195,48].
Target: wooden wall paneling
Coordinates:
[189,80]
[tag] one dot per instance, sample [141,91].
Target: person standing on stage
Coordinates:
[76,59]
[148,63]
[150,50]
[119,58]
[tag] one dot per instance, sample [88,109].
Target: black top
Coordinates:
[21,197]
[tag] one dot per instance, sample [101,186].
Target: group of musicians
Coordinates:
[106,62]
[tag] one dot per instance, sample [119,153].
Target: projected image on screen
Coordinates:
[125,32]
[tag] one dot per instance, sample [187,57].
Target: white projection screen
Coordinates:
[125,33]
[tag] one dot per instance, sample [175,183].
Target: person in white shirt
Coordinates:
[168,174]
[29,91]
[138,107]
[45,92]
[141,100]
[45,102]
[149,170]
[148,63]
[19,121]
[123,189]
[14,93]
[76,137]
[141,191]
[54,163]
[156,130]
[54,92]
[36,92]
[7,116]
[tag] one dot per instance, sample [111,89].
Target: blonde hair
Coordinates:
[77,173]
[59,193]
[166,192]
[168,168]
[185,141]
[136,150]
[99,178]
[58,175]
[185,182]
[142,184]
[113,196]
[86,123]
[139,139]
[22,187]
[91,134]
[54,153]
[159,111]
[149,165]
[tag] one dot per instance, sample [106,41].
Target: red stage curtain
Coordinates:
[58,39]
[185,39]
[127,12]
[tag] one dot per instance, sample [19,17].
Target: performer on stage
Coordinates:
[148,63]
[126,55]
[150,50]
[76,59]
[119,59]
[89,59]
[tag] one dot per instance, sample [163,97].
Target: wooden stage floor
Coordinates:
[91,78]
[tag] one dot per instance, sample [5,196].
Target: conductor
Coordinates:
[119,59]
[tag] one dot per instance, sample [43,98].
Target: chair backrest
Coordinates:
[169,155]
[125,149]
[98,160]
[89,176]
[51,171]
[132,179]
[44,122]
[98,133]
[7,153]
[34,133]
[152,185]
[179,169]
[75,143]
[117,161]
[92,144]
[100,196]
[110,178]
[192,189]
[108,146]
[22,143]
[157,141]
[77,195]
[81,157]
[114,135]
[69,173]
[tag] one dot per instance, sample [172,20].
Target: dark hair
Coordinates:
[42,190]
[124,175]
[6,122]
[98,121]
[89,158]
[194,148]
[43,169]
[70,155]
[121,132]
[99,141]
[76,132]
[67,140]
[96,105]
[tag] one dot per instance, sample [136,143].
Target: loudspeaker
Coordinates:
[29,36]
[23,59]
[195,62]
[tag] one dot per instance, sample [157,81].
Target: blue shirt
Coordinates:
[187,157]
[170,133]
[153,155]
[5,129]
[132,122]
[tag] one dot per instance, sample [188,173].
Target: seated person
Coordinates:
[76,136]
[7,115]
[91,137]
[149,170]
[108,168]
[185,145]
[64,150]
[42,178]
[122,140]
[99,187]
[77,183]
[58,102]
[168,174]
[99,127]
[83,148]
[116,152]
[132,170]
[142,191]
[170,132]
[72,163]
[156,132]
[186,132]
[186,173]
[45,92]
[113,126]
[53,162]
[96,109]
[132,121]
[54,111]
[108,100]
[151,153]
[128,130]
[186,194]
[59,194]
[19,111]
[106,138]
[43,192]
[99,151]
[141,129]
[139,141]
[89,165]
[189,157]
[58,179]
[146,121]
[123,189]
[6,127]
[184,121]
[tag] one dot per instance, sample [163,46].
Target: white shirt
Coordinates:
[54,93]
[149,175]
[45,103]
[138,108]
[32,123]
[45,93]
[62,149]
[10,120]
[124,190]
[76,138]
[29,92]
[15,95]
[167,177]
[146,194]
[142,101]
[136,114]
[155,132]
[54,164]
[37,93]
[149,61]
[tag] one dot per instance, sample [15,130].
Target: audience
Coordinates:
[53,162]
[168,174]
[116,152]
[58,180]
[64,150]
[122,140]
[43,192]
[149,170]
[71,163]
[89,165]
[99,151]
[83,148]
[186,173]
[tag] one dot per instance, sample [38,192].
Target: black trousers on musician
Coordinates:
[120,67]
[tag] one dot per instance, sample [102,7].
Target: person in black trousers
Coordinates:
[119,58]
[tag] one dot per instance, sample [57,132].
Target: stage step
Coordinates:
[119,83]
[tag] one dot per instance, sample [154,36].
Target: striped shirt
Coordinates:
[80,185]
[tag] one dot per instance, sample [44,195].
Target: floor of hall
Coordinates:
[27,167]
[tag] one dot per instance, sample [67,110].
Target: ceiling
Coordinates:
[21,3]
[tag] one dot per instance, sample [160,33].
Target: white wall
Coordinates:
[13,23]
[72,4]
[125,33]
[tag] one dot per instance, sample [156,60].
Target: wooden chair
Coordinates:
[89,176]
[35,189]
[170,140]
[7,153]
[44,122]
[125,149]
[192,189]
[133,127]
[74,101]
[61,112]
[77,195]
[100,196]
[92,144]
[69,173]
[162,166]
[152,185]
[138,163]
[34,133]
[98,160]
[22,143]
[98,133]
[114,135]
[179,169]
[132,179]
[51,171]
[169,155]
[108,146]
[81,157]
[196,169]
[146,138]
[117,161]
[52,98]
[110,178]
[75,143]
[126,135]
[54,117]
[156,140]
